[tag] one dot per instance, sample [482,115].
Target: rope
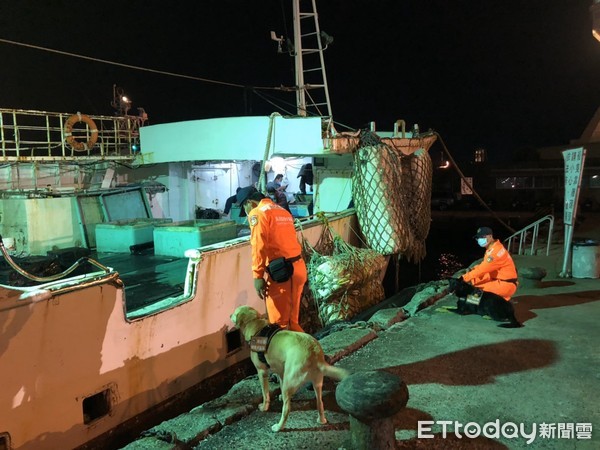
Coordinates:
[130,66]
[470,186]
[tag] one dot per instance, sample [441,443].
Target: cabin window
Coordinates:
[234,340]
[96,406]
[479,156]
[4,441]
[319,162]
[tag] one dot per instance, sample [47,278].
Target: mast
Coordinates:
[312,93]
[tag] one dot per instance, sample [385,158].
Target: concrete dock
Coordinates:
[543,378]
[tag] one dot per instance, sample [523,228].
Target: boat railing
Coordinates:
[27,135]
[527,238]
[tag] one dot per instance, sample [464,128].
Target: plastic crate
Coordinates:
[118,236]
[176,238]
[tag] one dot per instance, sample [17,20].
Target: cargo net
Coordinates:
[392,197]
[343,280]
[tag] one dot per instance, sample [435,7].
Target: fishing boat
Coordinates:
[116,291]
[90,352]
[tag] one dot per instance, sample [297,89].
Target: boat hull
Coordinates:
[80,368]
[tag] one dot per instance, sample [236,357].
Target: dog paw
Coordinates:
[263,407]
[322,420]
[275,428]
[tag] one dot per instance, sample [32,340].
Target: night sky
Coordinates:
[505,75]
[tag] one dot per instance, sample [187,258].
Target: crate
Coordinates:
[174,239]
[234,214]
[118,236]
[299,209]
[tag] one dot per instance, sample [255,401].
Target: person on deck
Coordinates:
[276,183]
[497,272]
[230,201]
[279,198]
[306,177]
[272,236]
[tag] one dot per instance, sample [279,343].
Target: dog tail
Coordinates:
[336,373]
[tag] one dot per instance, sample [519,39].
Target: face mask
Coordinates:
[482,241]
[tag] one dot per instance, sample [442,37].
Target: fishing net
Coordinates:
[343,279]
[392,197]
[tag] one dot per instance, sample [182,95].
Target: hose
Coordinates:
[54,277]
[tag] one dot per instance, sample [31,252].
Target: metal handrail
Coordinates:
[523,234]
[39,136]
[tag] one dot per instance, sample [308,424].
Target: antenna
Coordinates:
[279,41]
[121,103]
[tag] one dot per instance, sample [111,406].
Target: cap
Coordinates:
[483,231]
[242,196]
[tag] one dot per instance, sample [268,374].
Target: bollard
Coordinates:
[531,277]
[372,399]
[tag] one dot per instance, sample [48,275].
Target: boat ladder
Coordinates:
[528,237]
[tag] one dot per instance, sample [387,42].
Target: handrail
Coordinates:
[522,235]
[39,136]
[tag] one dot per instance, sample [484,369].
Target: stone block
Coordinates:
[385,318]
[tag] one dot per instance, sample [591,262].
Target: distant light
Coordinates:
[595,10]
[278,164]
[595,176]
[125,99]
[445,165]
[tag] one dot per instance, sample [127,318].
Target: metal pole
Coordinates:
[300,94]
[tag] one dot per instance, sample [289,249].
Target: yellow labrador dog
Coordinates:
[296,357]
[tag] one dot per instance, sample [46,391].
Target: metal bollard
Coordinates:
[372,399]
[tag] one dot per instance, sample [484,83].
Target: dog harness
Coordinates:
[259,343]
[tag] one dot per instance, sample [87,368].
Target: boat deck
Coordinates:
[147,277]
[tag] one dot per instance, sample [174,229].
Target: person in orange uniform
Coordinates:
[497,272]
[273,235]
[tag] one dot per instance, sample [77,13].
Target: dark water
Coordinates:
[450,247]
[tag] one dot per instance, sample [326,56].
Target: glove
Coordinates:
[259,286]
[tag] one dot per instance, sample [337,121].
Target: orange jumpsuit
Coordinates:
[496,273]
[273,235]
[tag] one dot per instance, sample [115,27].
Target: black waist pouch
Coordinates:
[280,269]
